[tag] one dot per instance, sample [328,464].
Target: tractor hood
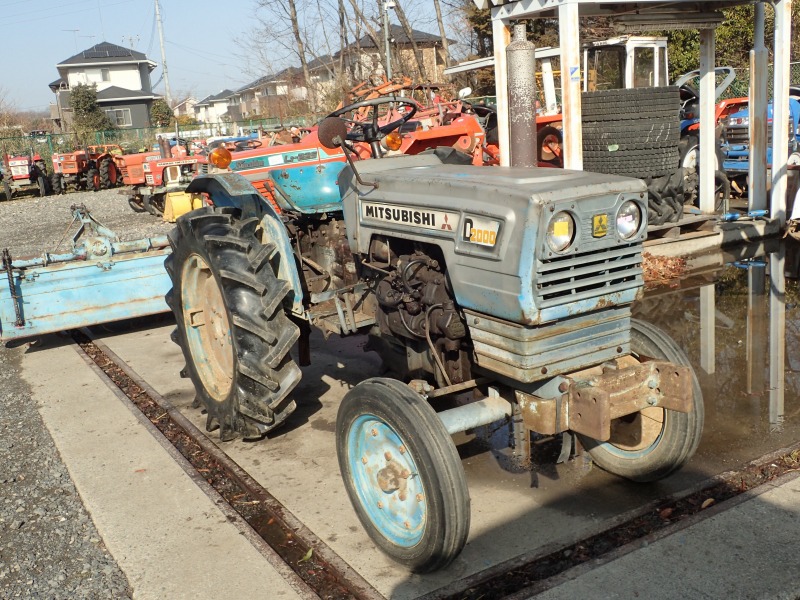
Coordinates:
[491,224]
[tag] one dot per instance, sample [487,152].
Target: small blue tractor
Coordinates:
[510,288]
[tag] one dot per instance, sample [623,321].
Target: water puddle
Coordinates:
[736,314]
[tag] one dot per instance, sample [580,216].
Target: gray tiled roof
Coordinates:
[105,52]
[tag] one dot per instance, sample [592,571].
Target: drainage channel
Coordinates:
[316,564]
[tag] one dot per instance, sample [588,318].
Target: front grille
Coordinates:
[19,171]
[148,179]
[123,171]
[738,135]
[588,275]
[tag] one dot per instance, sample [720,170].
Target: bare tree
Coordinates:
[442,32]
[282,26]
[8,113]
[401,15]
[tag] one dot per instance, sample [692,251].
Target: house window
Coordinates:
[105,74]
[121,117]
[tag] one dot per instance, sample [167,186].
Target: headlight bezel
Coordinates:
[639,216]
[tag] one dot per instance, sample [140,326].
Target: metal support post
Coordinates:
[780,109]
[757,194]
[777,335]
[708,331]
[501,37]
[521,57]
[571,85]
[707,150]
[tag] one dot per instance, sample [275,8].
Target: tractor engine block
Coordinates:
[417,317]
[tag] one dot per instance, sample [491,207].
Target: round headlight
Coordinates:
[629,218]
[560,232]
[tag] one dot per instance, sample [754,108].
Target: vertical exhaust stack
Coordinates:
[522,98]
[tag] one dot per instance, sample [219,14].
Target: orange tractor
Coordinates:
[23,172]
[158,179]
[91,168]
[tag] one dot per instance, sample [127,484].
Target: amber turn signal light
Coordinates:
[393,141]
[220,157]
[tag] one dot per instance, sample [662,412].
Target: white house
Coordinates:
[122,77]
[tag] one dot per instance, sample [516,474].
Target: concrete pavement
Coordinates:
[745,548]
[172,541]
[170,538]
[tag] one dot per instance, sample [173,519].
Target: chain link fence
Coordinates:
[741,85]
[139,140]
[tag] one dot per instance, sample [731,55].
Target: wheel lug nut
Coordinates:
[387,455]
[402,449]
[407,524]
[374,433]
[402,496]
[380,504]
[405,473]
[364,460]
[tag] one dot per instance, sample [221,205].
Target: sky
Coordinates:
[200,43]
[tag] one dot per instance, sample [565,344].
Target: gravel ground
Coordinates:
[49,547]
[30,225]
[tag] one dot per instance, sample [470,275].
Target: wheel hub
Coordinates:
[207,328]
[386,481]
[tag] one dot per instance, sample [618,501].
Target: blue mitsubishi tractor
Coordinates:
[510,288]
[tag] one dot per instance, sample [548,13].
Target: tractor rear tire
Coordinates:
[93,180]
[651,444]
[57,183]
[108,173]
[7,190]
[232,328]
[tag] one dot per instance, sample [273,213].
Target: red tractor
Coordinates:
[92,168]
[24,172]
[157,181]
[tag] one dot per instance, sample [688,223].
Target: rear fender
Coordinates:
[233,190]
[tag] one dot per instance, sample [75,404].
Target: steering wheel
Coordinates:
[370,131]
[248,145]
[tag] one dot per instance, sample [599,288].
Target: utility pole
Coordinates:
[163,54]
[387,4]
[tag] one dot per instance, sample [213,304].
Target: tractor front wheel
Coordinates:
[550,141]
[154,204]
[135,202]
[232,328]
[41,183]
[403,474]
[651,444]
[688,151]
